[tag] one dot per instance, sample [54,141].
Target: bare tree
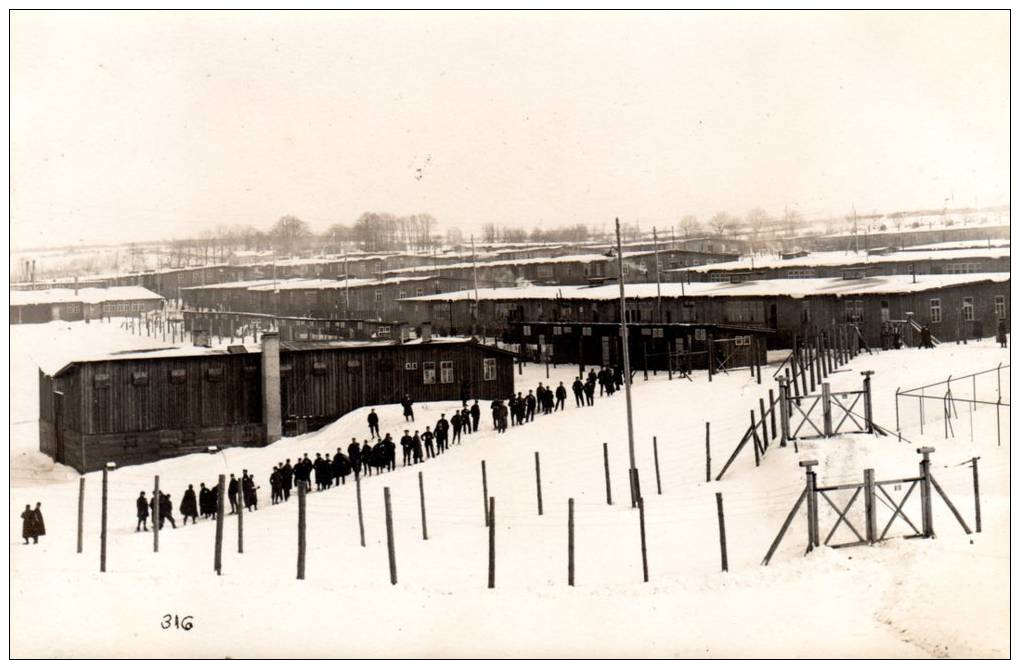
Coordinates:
[721,222]
[689,226]
[288,233]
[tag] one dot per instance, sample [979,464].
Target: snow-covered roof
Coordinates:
[795,288]
[88,295]
[54,367]
[306,283]
[836,258]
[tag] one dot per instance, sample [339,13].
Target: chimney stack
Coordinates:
[271,417]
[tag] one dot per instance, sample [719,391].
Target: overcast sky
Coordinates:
[131,126]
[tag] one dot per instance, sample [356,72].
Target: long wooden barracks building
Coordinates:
[141,406]
[951,305]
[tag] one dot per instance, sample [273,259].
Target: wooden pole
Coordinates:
[389,536]
[538,483]
[764,422]
[644,546]
[361,518]
[155,514]
[754,441]
[722,532]
[240,514]
[977,496]
[570,541]
[301,543]
[485,493]
[605,460]
[772,413]
[492,542]
[220,495]
[869,506]
[421,494]
[102,528]
[708,453]
[655,453]
[81,511]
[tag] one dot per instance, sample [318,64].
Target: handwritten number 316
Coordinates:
[175,621]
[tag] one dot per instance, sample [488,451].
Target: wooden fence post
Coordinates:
[655,454]
[81,510]
[102,528]
[764,422]
[240,513]
[826,409]
[389,536]
[301,544]
[772,413]
[361,518]
[977,496]
[644,547]
[421,493]
[570,541]
[754,441]
[722,532]
[869,505]
[492,542]
[538,483]
[605,460]
[156,517]
[925,471]
[485,494]
[221,491]
[784,410]
[812,502]
[708,453]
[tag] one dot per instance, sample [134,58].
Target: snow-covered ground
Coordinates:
[901,598]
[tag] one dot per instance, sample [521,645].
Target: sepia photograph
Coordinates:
[509,333]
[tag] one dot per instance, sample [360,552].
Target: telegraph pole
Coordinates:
[347,288]
[626,360]
[658,279]
[474,271]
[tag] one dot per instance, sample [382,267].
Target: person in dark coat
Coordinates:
[476,414]
[426,439]
[442,433]
[27,527]
[561,397]
[206,505]
[233,486]
[408,409]
[926,338]
[1000,333]
[530,404]
[603,381]
[38,522]
[274,486]
[286,479]
[373,424]
[456,423]
[306,472]
[465,420]
[214,500]
[366,458]
[391,452]
[405,447]
[618,377]
[166,510]
[354,456]
[342,466]
[416,448]
[494,406]
[189,505]
[578,389]
[142,508]
[589,392]
[465,393]
[318,468]
[249,492]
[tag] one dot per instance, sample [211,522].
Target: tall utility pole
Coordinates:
[626,360]
[474,271]
[658,279]
[347,288]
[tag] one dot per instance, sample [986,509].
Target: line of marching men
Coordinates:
[325,471]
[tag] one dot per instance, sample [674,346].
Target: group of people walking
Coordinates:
[32,524]
[326,471]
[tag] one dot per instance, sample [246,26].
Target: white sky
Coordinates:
[130,126]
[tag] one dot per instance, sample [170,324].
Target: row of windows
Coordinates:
[966,309]
[123,307]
